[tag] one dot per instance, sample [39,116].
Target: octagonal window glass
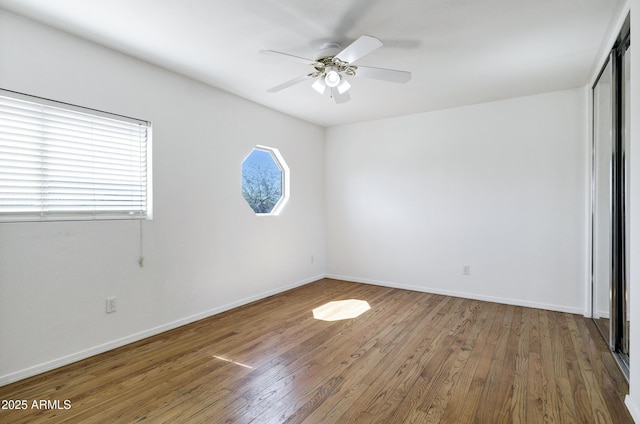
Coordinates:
[265,180]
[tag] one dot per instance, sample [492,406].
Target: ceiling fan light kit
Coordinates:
[330,71]
[343,86]
[319,85]
[332,77]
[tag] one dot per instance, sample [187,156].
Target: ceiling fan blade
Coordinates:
[340,98]
[287,84]
[357,10]
[359,48]
[383,74]
[289,57]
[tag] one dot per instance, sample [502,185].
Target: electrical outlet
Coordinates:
[466,269]
[111,304]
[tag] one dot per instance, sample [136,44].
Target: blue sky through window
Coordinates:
[261,159]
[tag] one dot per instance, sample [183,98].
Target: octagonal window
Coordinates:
[265,180]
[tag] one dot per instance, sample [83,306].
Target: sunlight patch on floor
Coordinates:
[341,309]
[232,362]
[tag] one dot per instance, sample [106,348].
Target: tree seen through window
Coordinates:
[262,181]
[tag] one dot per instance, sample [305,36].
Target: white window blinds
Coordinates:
[63,162]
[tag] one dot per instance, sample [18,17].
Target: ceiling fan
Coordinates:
[330,70]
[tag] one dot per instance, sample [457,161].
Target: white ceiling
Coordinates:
[460,52]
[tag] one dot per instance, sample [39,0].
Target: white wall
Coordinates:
[501,187]
[205,249]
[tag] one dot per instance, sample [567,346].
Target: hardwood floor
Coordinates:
[411,358]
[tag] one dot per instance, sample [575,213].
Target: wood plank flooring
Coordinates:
[412,358]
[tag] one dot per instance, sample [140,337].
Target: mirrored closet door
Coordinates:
[610,307]
[601,205]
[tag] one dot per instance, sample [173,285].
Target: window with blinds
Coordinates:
[64,162]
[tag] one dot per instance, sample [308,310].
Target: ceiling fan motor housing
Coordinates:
[329,49]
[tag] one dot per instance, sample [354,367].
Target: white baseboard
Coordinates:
[602,314]
[84,354]
[633,408]
[474,296]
